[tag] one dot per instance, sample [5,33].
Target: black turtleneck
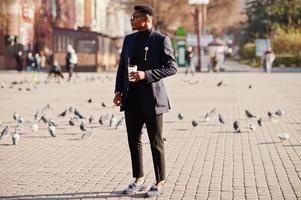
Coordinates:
[139,49]
[134,97]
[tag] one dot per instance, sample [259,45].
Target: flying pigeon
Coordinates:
[63,114]
[220,119]
[180,116]
[194,123]
[250,115]
[51,130]
[283,136]
[4,133]
[236,127]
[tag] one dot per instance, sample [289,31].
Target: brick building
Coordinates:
[32,25]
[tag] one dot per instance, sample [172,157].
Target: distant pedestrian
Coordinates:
[220,58]
[54,68]
[19,60]
[268,59]
[30,62]
[189,61]
[71,60]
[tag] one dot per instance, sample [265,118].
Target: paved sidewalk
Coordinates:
[204,162]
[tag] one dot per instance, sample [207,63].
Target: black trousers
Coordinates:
[135,118]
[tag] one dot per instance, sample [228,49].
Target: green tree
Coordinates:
[265,15]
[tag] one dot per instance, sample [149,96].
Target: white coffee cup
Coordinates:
[132,68]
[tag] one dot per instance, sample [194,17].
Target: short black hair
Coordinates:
[145,9]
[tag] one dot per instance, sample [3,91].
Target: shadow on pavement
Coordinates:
[83,195]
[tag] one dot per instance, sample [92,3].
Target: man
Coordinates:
[144,98]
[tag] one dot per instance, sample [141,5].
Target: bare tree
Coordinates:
[171,14]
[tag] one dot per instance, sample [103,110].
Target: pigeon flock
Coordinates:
[255,123]
[48,118]
[74,117]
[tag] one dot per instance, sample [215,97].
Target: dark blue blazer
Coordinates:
[160,63]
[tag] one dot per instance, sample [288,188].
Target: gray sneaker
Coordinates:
[153,191]
[133,188]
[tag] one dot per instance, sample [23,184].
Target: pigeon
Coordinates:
[250,86]
[15,116]
[20,89]
[236,127]
[113,121]
[15,137]
[103,104]
[259,121]
[35,127]
[44,119]
[194,123]
[279,112]
[219,83]
[100,121]
[28,89]
[86,134]
[250,115]
[71,109]
[220,119]
[252,127]
[91,119]
[63,114]
[20,120]
[89,100]
[36,115]
[270,114]
[77,113]
[164,139]
[180,116]
[212,111]
[207,117]
[283,136]
[51,130]
[4,133]
[50,121]
[120,123]
[2,85]
[82,127]
[71,122]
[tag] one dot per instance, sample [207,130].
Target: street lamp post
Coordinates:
[197,23]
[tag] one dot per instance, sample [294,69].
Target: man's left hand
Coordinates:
[137,76]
